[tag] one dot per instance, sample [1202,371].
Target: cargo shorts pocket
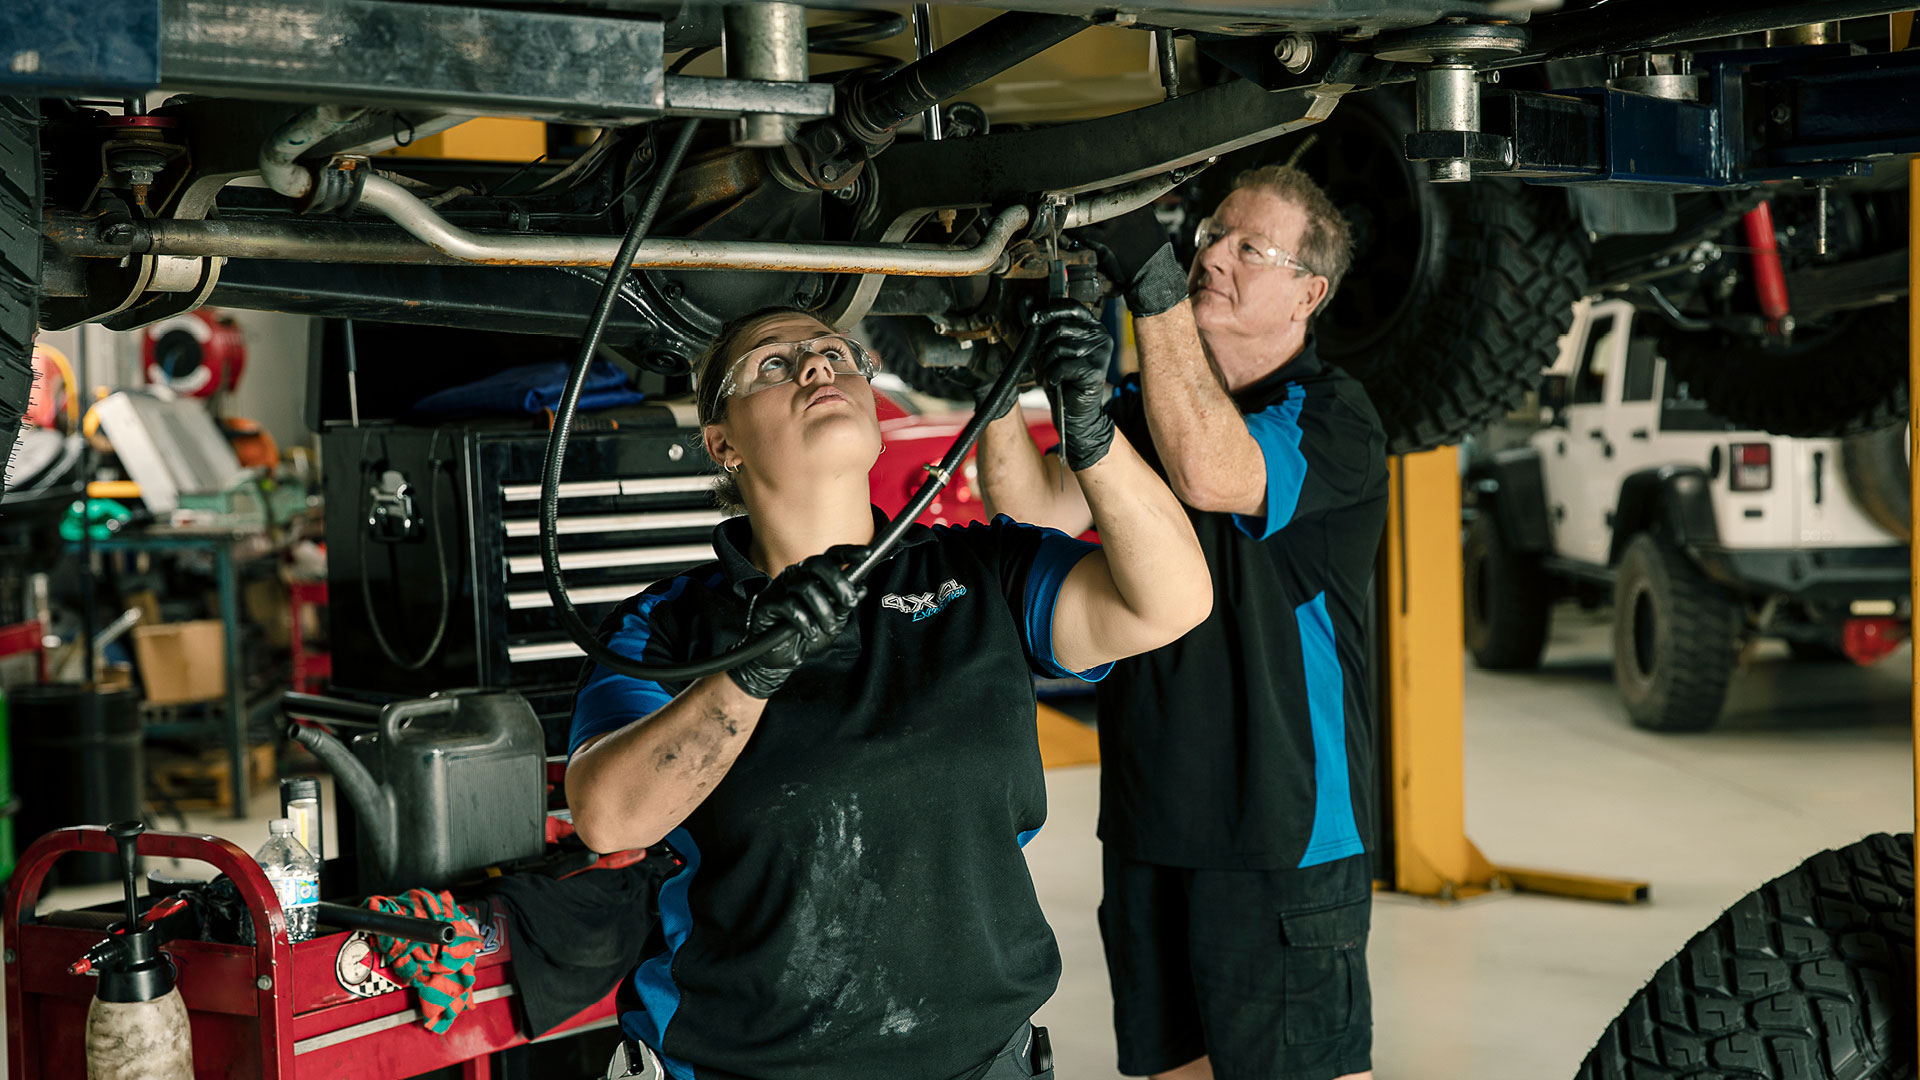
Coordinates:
[1324,972]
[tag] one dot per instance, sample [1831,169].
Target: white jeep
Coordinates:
[1703,535]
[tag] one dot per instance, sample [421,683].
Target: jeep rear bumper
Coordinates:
[1832,575]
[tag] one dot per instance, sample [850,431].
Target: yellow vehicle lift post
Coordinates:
[1913,427]
[1422,676]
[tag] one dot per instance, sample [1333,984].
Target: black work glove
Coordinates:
[1134,253]
[812,597]
[1071,358]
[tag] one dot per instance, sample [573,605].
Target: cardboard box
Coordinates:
[182,662]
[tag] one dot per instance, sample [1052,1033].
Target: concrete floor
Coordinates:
[1517,988]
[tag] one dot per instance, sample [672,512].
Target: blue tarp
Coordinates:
[531,389]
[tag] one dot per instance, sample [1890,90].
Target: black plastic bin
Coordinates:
[77,760]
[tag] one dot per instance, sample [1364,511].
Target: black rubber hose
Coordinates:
[893,97]
[1004,391]
[1003,394]
[386,924]
[569,616]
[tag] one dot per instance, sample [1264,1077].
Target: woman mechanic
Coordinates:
[854,903]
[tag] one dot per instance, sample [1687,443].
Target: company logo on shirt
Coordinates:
[925,605]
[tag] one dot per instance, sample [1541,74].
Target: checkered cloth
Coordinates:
[443,974]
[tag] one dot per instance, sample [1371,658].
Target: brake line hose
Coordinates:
[883,545]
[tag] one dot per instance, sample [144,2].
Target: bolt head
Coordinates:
[1782,114]
[117,233]
[264,982]
[829,172]
[1294,52]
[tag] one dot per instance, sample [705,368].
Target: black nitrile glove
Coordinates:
[813,597]
[1135,254]
[1072,358]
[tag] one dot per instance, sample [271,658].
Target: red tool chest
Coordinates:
[276,1011]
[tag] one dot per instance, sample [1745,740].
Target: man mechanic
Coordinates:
[1236,793]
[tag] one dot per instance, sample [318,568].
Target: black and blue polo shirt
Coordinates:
[854,902]
[1248,743]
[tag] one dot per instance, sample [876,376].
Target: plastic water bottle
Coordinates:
[295,875]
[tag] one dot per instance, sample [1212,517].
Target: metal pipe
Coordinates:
[765,41]
[418,218]
[281,151]
[1121,200]
[880,105]
[433,241]
[922,46]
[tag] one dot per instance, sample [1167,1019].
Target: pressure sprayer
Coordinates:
[883,545]
[137,1026]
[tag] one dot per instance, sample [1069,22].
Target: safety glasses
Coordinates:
[780,362]
[1250,248]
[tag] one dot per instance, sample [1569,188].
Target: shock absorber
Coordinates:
[1769,280]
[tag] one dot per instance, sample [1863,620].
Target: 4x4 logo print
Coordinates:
[925,605]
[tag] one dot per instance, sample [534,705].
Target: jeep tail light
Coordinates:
[1752,466]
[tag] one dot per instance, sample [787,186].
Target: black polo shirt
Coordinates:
[854,902]
[1247,743]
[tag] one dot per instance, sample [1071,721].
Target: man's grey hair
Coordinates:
[1326,244]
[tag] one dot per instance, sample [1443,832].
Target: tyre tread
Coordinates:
[1511,270]
[1700,659]
[20,261]
[1756,996]
[1860,388]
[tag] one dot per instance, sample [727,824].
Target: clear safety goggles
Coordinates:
[1250,248]
[780,362]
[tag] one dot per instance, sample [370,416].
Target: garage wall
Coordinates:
[272,390]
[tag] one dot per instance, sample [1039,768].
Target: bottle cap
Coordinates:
[280,827]
[295,788]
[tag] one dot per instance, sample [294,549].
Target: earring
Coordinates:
[730,470]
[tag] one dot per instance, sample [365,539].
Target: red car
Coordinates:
[916,440]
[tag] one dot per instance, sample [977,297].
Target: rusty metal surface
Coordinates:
[548,65]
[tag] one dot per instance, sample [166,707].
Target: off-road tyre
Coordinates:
[20,198]
[1508,599]
[1847,378]
[1458,293]
[1879,476]
[1809,977]
[1675,636]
